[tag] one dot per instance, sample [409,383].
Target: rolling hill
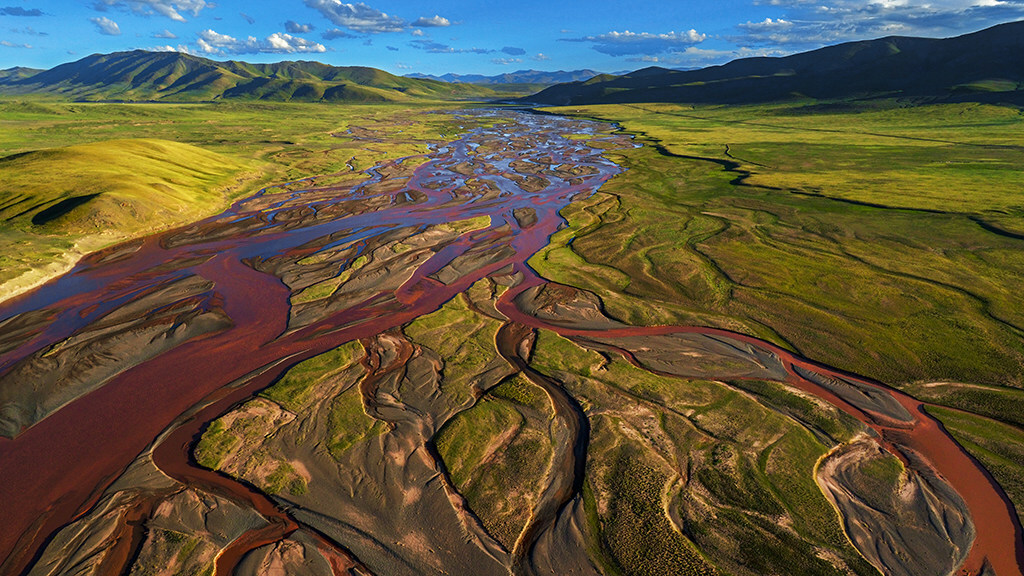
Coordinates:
[983,66]
[171,76]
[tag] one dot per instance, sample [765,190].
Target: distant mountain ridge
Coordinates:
[172,76]
[517,77]
[985,66]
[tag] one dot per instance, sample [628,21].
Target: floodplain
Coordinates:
[629,339]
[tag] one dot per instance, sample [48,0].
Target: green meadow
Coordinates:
[883,240]
[81,176]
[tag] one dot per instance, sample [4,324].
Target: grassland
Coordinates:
[464,341]
[497,457]
[109,172]
[879,239]
[696,477]
[882,240]
[294,391]
[497,451]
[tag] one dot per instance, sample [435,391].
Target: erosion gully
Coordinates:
[54,471]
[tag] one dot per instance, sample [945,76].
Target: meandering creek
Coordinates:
[152,340]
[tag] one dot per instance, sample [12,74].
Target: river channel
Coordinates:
[142,345]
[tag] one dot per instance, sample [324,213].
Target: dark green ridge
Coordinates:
[985,66]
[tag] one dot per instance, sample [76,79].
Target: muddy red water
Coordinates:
[55,469]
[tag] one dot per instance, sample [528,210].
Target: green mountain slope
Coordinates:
[984,66]
[59,203]
[172,76]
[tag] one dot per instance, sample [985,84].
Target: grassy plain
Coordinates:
[122,170]
[879,239]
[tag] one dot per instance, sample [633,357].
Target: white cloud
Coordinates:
[165,34]
[506,61]
[623,43]
[168,48]
[13,45]
[212,42]
[170,8]
[433,21]
[768,24]
[358,17]
[418,33]
[541,57]
[106,26]
[810,24]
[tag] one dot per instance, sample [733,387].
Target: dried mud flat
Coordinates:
[425,439]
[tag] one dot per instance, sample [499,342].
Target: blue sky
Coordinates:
[403,36]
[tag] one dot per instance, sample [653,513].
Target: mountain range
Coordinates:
[172,76]
[518,77]
[984,66]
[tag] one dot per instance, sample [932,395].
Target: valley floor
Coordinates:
[404,361]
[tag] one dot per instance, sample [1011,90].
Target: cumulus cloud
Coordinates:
[293,27]
[213,42]
[168,48]
[768,25]
[165,34]
[438,48]
[513,51]
[506,61]
[541,57]
[624,43]
[809,24]
[434,21]
[170,8]
[106,26]
[418,33]
[13,45]
[357,17]
[19,11]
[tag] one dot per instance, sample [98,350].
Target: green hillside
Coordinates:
[109,185]
[177,77]
[60,202]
